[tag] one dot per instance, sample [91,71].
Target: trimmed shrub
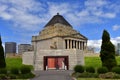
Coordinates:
[26,76]
[108,75]
[3,71]
[3,77]
[14,70]
[31,67]
[25,69]
[13,76]
[76,74]
[90,69]
[101,70]
[116,70]
[116,76]
[88,75]
[79,69]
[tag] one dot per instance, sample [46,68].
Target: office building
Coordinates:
[24,47]
[10,47]
[118,48]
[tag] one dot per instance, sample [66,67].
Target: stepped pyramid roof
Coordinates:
[58,27]
[58,19]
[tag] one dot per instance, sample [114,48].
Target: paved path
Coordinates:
[53,75]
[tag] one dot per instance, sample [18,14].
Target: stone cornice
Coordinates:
[58,30]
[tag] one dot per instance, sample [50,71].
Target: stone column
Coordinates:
[76,44]
[67,44]
[83,46]
[70,44]
[80,45]
[73,44]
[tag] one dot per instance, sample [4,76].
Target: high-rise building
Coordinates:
[118,48]
[24,47]
[10,47]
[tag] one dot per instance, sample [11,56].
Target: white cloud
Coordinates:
[95,3]
[96,44]
[28,15]
[116,27]
[115,40]
[3,46]
[23,14]
[3,13]
[55,8]
[92,11]
[99,8]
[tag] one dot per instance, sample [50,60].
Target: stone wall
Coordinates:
[75,57]
[48,43]
[28,57]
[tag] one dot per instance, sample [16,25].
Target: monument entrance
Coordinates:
[55,62]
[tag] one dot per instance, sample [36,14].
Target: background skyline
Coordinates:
[20,20]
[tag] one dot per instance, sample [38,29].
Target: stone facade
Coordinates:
[28,58]
[58,45]
[75,56]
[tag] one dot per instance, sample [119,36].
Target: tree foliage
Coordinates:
[107,53]
[2,57]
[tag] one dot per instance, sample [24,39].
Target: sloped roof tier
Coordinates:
[58,19]
[58,27]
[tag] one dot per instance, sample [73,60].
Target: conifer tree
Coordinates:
[107,53]
[2,57]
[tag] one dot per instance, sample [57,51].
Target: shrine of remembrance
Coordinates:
[58,46]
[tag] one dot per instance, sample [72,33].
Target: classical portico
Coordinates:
[75,44]
[58,46]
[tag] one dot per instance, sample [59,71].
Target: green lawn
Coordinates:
[13,62]
[118,60]
[96,62]
[95,79]
[89,61]
[92,61]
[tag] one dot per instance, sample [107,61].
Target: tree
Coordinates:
[107,53]
[2,57]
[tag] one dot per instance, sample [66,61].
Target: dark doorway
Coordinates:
[56,62]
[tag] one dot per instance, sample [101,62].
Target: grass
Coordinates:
[92,61]
[118,60]
[89,61]
[96,62]
[16,62]
[94,79]
[13,62]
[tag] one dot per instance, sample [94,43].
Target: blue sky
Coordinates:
[20,20]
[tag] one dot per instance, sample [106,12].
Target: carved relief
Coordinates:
[53,46]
